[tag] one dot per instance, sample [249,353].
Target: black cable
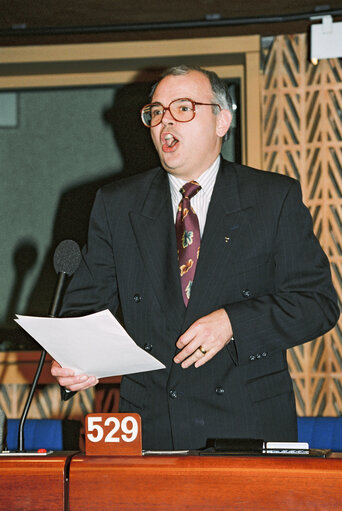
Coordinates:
[130,27]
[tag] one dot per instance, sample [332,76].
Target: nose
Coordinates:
[167,117]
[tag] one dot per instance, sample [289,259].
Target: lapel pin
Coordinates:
[226,239]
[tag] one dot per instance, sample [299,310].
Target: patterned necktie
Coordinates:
[188,238]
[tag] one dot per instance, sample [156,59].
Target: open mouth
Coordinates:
[169,142]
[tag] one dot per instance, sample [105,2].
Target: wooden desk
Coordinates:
[208,483]
[33,483]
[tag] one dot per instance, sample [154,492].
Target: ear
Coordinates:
[223,121]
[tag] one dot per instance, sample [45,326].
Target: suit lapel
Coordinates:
[223,222]
[154,230]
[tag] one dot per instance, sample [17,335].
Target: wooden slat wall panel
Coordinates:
[302,137]
[47,403]
[17,369]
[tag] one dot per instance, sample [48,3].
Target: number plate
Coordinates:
[113,434]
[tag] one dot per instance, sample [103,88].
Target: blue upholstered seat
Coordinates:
[321,432]
[38,433]
[54,434]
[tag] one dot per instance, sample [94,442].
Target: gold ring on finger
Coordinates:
[202,350]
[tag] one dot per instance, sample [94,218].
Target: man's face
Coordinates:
[187,149]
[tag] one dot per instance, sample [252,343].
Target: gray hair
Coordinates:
[219,87]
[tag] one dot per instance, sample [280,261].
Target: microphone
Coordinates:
[66,259]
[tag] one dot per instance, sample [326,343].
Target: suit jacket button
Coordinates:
[219,391]
[173,394]
[246,293]
[264,354]
[137,298]
[252,357]
[148,347]
[258,355]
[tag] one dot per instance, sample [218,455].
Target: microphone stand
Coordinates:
[53,311]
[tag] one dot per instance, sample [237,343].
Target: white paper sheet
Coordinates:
[96,345]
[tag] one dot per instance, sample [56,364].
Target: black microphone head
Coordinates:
[67,257]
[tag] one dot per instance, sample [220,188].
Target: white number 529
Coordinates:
[125,430]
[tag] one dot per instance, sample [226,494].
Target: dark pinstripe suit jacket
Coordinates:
[259,260]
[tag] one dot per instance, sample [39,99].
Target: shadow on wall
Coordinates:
[72,215]
[133,139]
[24,259]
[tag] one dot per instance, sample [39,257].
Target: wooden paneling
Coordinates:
[175,483]
[302,137]
[210,483]
[32,483]
[103,63]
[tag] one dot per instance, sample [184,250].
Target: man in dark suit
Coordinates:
[262,282]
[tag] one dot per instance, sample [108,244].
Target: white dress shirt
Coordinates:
[200,202]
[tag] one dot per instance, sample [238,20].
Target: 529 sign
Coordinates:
[113,434]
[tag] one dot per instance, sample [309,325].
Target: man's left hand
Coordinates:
[210,333]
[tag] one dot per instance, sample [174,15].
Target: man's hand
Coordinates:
[66,378]
[211,333]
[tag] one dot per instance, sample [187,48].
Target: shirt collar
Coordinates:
[206,180]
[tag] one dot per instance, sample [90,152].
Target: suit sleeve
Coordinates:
[303,305]
[93,287]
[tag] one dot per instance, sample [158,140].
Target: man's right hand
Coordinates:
[66,378]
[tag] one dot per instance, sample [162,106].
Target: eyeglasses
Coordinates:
[182,110]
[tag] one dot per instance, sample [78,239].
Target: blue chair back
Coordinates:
[321,432]
[38,433]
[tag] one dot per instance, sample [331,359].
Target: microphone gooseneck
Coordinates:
[67,258]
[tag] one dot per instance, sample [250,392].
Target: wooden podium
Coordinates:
[202,482]
[73,482]
[34,483]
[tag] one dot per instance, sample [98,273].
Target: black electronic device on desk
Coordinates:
[258,447]
[247,447]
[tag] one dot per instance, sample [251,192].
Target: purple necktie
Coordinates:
[188,238]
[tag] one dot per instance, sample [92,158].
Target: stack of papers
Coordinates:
[96,345]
